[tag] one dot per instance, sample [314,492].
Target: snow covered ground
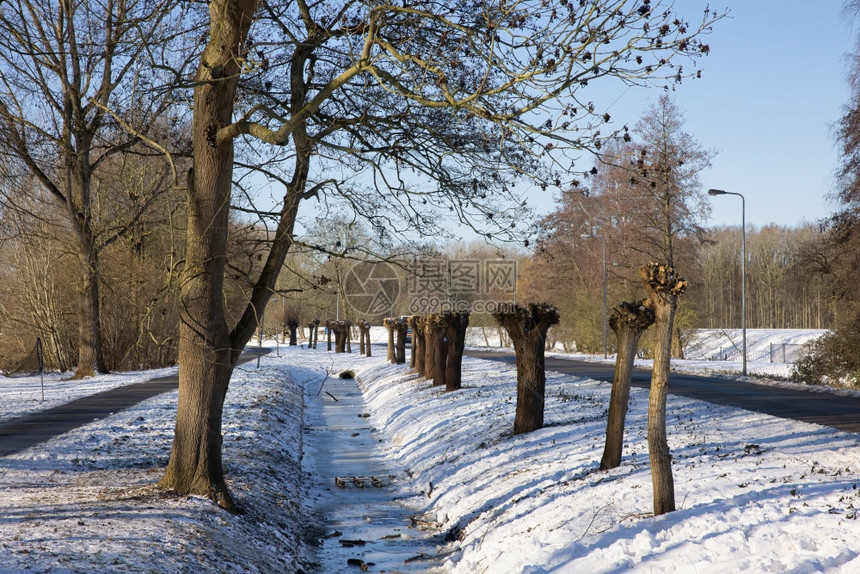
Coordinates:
[755,493]
[23,395]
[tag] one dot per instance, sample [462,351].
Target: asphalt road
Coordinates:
[827,409]
[23,432]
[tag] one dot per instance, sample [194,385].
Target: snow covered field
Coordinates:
[755,493]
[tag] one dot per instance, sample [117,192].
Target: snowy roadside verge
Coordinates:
[23,395]
[84,502]
[754,492]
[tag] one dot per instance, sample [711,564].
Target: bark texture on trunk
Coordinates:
[438,349]
[90,356]
[388,322]
[400,349]
[527,328]
[293,325]
[206,354]
[456,324]
[628,322]
[664,288]
[419,344]
[78,205]
[412,322]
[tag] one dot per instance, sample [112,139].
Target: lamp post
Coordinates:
[714,192]
[603,240]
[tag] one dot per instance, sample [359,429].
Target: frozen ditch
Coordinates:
[352,491]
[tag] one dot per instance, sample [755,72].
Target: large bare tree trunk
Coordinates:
[527,329]
[664,287]
[628,322]
[90,356]
[206,356]
[456,324]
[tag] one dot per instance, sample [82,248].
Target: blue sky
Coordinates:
[771,91]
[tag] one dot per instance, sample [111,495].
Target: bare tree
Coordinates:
[664,287]
[664,170]
[527,328]
[436,355]
[419,344]
[363,337]
[70,72]
[656,169]
[466,97]
[628,321]
[314,333]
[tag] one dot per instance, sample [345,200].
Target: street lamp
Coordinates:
[714,192]
[603,240]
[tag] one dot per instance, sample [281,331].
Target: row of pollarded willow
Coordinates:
[397,330]
[527,328]
[345,79]
[629,321]
[438,342]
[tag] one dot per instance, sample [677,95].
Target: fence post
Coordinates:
[41,360]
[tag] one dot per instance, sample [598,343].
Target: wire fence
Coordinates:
[776,353]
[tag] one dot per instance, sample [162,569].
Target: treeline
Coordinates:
[140,257]
[785,286]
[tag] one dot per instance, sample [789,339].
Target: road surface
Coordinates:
[827,409]
[23,432]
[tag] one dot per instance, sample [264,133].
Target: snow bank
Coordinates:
[85,501]
[754,493]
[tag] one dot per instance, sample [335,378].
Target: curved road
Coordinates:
[827,409]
